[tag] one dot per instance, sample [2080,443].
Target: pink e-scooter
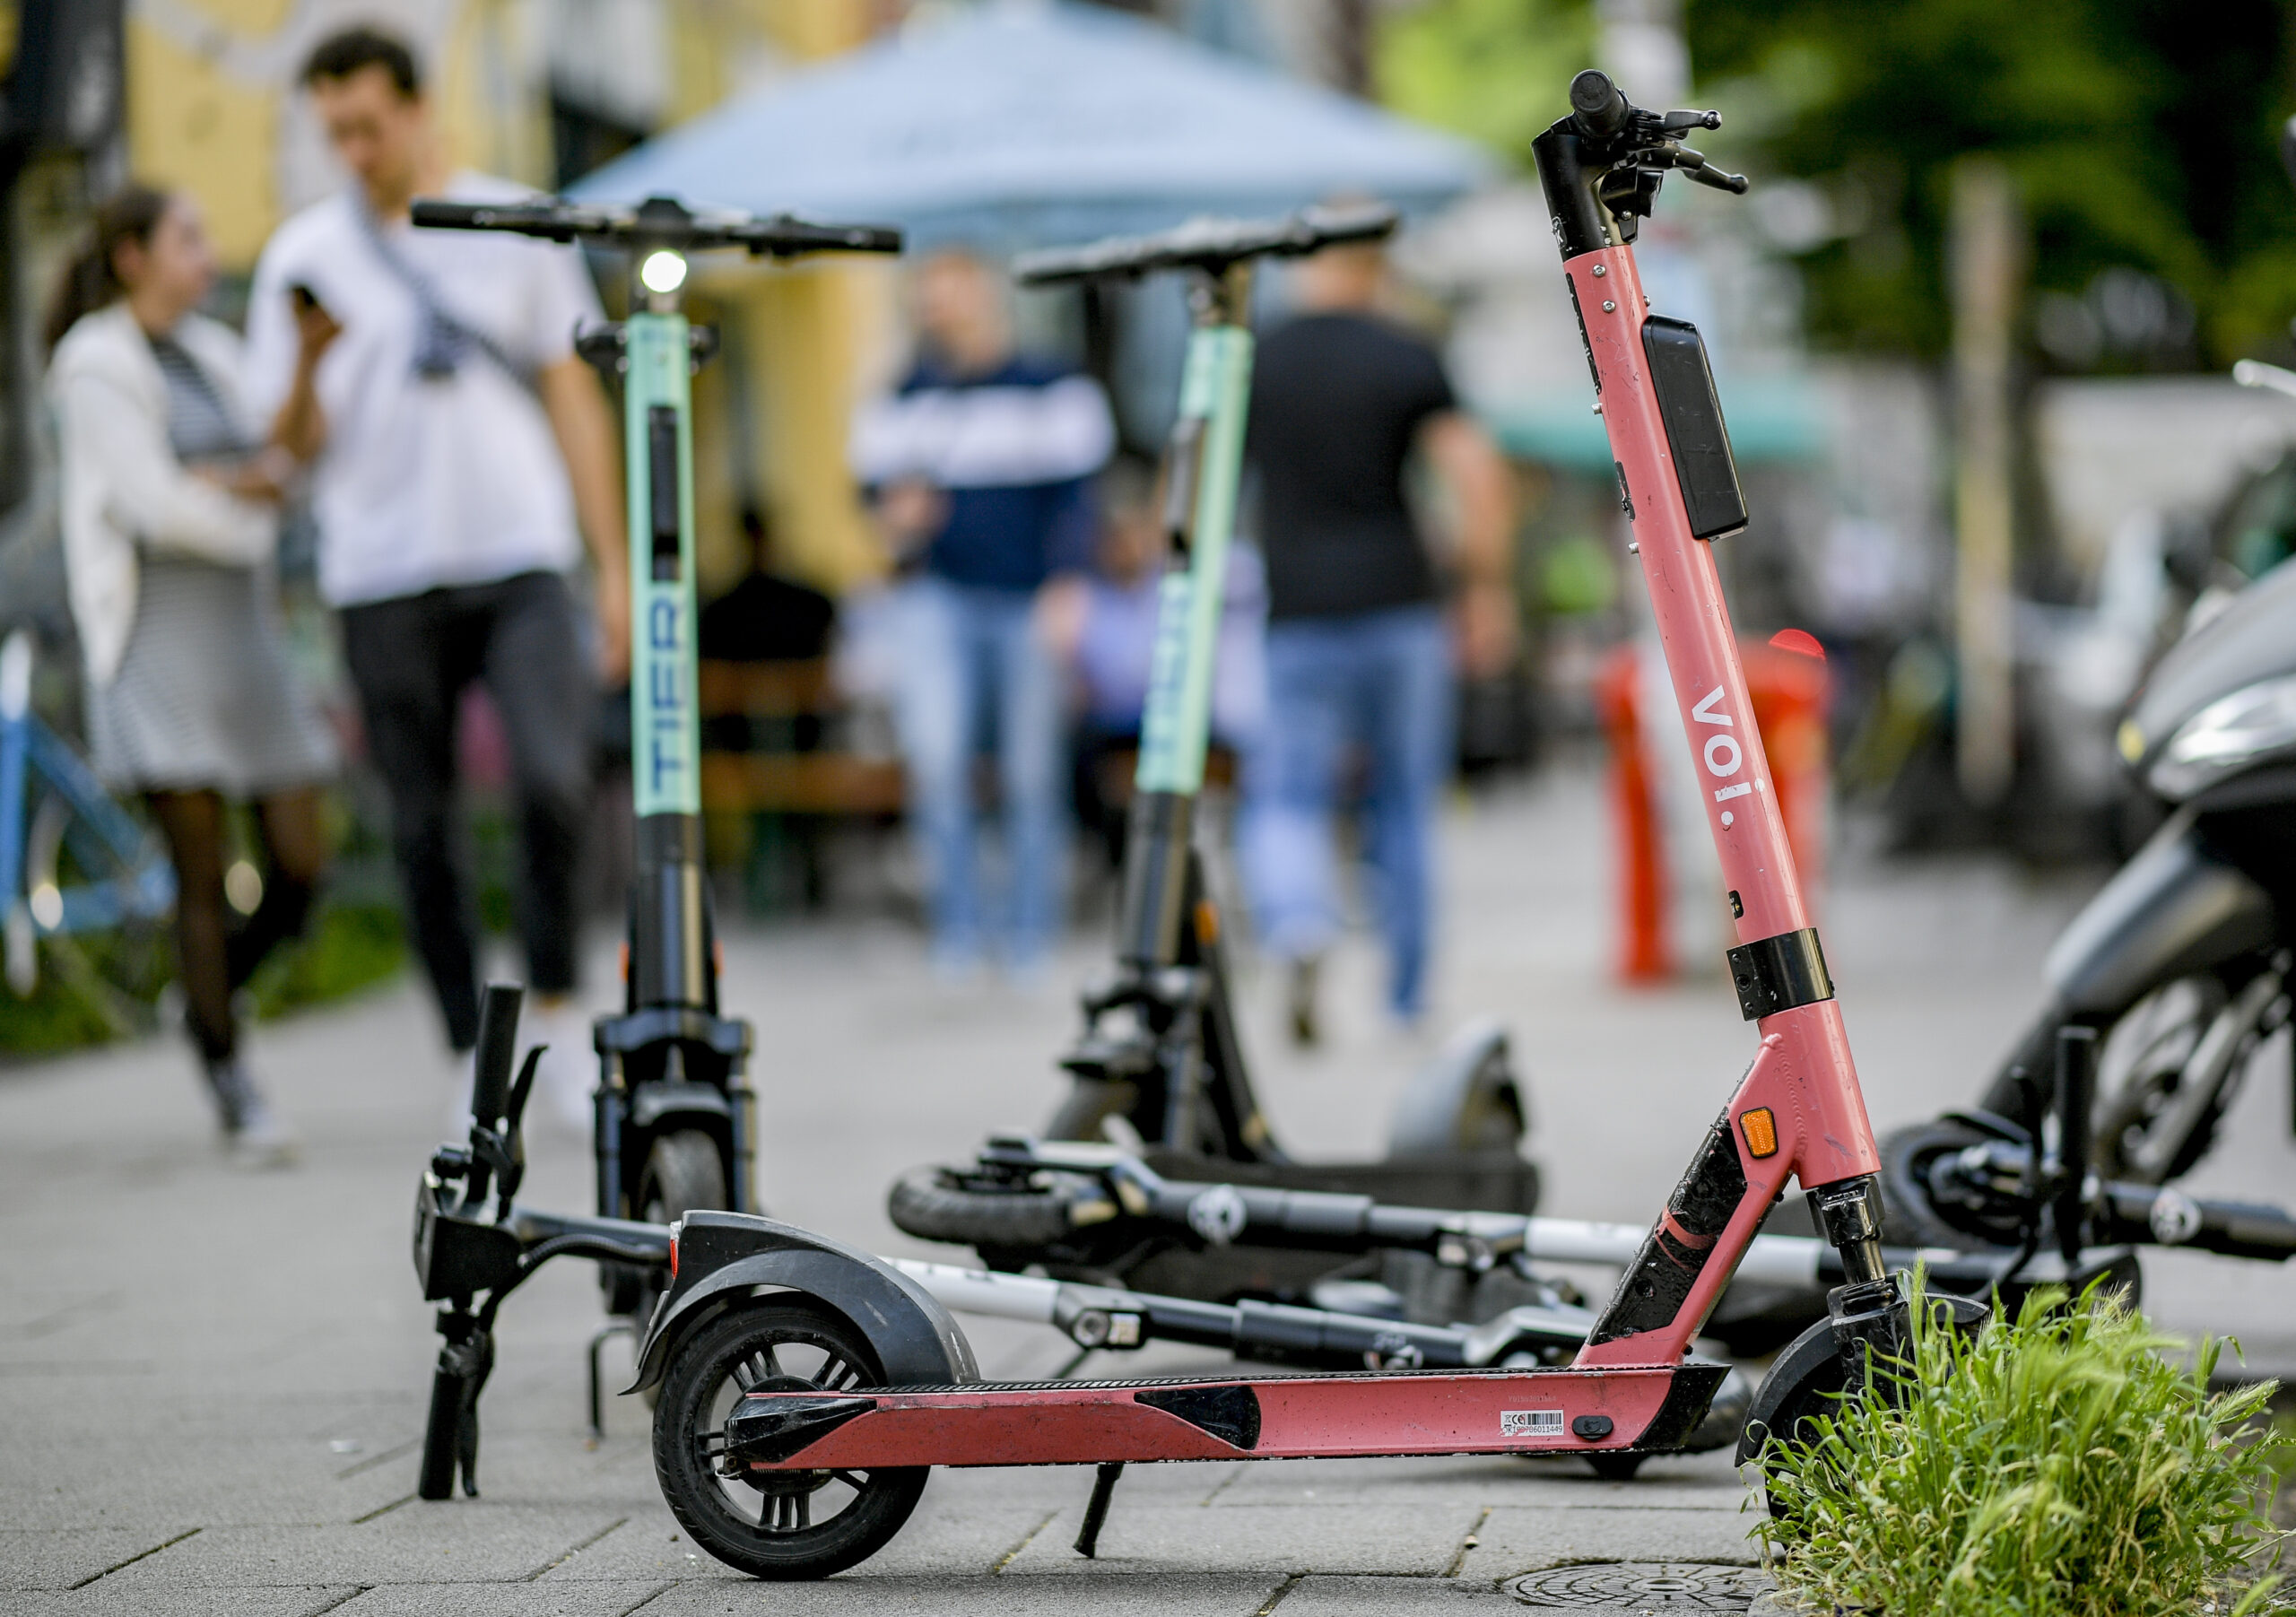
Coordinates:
[807,1388]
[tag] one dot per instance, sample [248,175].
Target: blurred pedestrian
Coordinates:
[1112,643]
[461,452]
[1360,662]
[170,502]
[979,467]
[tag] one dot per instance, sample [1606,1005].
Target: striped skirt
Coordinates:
[205,698]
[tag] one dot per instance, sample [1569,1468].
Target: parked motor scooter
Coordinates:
[2181,964]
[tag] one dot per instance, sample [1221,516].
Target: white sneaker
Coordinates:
[568,1074]
[254,1135]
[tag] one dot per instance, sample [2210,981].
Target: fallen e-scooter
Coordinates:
[673,1126]
[806,1390]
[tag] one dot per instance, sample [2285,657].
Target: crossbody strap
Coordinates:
[444,337]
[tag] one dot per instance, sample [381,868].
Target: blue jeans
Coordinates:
[971,665]
[1381,681]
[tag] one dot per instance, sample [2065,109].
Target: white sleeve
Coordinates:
[267,365]
[147,492]
[563,300]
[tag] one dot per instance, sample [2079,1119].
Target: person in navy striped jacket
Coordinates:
[979,470]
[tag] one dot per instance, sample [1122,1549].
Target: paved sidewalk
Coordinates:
[211,1384]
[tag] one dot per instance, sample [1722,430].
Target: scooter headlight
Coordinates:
[2228,734]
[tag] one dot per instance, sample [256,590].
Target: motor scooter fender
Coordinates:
[1468,1082]
[723,1257]
[2172,909]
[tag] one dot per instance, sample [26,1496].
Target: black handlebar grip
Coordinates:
[1597,108]
[429,214]
[498,1047]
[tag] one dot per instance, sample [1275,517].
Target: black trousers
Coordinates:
[410,659]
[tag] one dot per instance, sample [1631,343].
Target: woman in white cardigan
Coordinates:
[170,517]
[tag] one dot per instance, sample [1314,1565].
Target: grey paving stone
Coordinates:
[458,1540]
[1375,1597]
[955,1539]
[63,1559]
[104,1599]
[1403,1537]
[1102,1593]
[502,1600]
[1694,1479]
[1514,1539]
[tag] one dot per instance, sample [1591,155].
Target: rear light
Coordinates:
[675,1230]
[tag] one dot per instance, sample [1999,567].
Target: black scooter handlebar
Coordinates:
[1208,244]
[660,221]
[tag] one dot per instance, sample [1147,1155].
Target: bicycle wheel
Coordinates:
[100,913]
[774,1525]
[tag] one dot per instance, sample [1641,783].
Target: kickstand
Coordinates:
[1096,1511]
[612,1328]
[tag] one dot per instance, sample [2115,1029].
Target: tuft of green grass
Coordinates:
[2059,1465]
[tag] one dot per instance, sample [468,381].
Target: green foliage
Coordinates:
[2140,132]
[349,947]
[1496,71]
[104,988]
[2059,1465]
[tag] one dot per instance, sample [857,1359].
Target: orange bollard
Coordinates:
[1788,683]
[1642,954]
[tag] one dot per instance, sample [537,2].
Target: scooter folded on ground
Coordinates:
[805,1392]
[1160,1049]
[471,1253]
[1083,1212]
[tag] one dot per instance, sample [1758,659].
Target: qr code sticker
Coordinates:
[1530,1423]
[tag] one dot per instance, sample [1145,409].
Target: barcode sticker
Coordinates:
[1530,1423]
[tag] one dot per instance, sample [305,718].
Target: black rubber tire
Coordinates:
[930,1205]
[2153,1079]
[684,1172]
[1910,1215]
[1613,1467]
[732,1353]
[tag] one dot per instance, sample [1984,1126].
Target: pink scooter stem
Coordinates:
[1798,1112]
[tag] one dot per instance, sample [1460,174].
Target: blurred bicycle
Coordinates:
[79,879]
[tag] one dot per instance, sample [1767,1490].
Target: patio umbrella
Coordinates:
[1019,123]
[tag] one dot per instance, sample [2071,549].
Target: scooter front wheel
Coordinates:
[780,1524]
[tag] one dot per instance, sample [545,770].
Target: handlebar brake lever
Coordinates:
[513,1167]
[1706,174]
[1679,123]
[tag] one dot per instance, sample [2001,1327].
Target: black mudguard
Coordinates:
[723,1257]
[1470,1078]
[2173,910]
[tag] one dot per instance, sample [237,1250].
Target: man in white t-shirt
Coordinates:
[460,453]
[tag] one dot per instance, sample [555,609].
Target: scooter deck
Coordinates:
[1563,1410]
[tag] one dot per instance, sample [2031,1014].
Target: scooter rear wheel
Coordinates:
[781,1524]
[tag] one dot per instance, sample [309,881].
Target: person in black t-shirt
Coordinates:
[1359,653]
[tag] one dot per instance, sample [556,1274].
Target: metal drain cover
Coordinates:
[1641,1586]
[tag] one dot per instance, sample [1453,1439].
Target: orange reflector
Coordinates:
[1760,1126]
[1207,922]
